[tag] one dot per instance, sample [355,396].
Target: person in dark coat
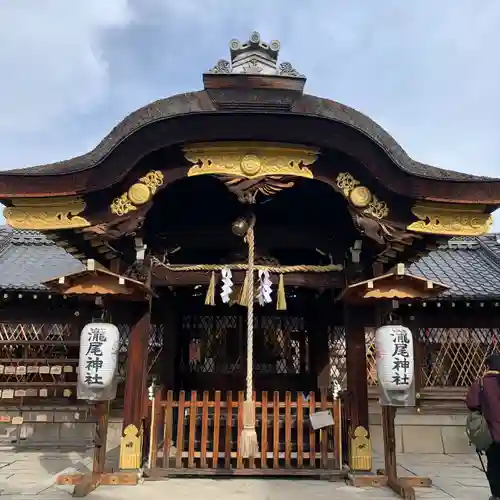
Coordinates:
[491,412]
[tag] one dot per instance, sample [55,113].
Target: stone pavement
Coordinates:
[31,475]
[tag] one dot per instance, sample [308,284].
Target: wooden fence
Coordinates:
[201,435]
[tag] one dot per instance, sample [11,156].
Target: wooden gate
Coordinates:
[198,434]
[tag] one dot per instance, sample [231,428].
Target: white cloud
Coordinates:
[50,61]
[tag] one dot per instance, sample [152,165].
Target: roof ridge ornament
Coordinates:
[255,57]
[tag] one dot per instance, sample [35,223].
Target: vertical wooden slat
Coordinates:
[312,435]
[239,458]
[204,431]
[251,460]
[276,429]
[263,427]
[300,429]
[157,417]
[180,430]
[168,429]
[288,429]
[337,432]
[229,425]
[215,458]
[323,434]
[192,429]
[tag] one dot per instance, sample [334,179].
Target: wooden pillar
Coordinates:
[356,319]
[136,368]
[136,397]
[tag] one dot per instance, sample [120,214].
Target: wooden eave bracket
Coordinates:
[95,279]
[397,284]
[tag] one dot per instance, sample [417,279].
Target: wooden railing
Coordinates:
[191,432]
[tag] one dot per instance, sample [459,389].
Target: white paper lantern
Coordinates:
[99,344]
[394,355]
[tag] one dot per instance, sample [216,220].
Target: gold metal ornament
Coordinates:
[361,197]
[250,160]
[44,214]
[138,194]
[251,165]
[451,219]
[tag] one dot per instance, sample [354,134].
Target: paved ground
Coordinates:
[25,475]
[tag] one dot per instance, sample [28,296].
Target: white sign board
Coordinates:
[321,419]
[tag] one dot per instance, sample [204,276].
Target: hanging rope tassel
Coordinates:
[243,296]
[249,444]
[281,299]
[210,298]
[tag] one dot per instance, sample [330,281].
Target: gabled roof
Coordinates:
[94,279]
[396,284]
[469,266]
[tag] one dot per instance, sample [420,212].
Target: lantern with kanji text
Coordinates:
[394,355]
[99,344]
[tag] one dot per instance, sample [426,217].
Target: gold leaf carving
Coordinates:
[346,182]
[43,214]
[452,220]
[138,194]
[250,159]
[361,196]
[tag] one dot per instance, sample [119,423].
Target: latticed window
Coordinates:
[371,363]
[217,344]
[338,362]
[455,357]
[214,343]
[281,345]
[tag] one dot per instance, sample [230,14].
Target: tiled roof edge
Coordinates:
[491,256]
[24,237]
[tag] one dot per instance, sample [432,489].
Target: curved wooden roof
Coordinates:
[194,103]
[239,114]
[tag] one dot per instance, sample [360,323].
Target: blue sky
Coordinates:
[426,70]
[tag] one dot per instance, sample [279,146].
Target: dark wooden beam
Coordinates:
[321,281]
[267,237]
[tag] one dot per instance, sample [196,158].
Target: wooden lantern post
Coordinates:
[90,283]
[380,293]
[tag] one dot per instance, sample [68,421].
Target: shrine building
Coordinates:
[153,231]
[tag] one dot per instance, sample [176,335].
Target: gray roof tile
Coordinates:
[28,258]
[469,266]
